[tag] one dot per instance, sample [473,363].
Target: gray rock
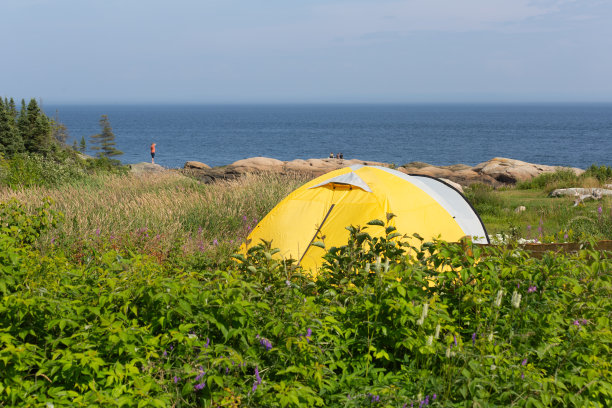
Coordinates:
[144,167]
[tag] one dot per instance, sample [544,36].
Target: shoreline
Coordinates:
[495,172]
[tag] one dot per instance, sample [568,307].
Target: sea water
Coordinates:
[555,134]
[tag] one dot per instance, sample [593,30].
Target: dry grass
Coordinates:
[168,207]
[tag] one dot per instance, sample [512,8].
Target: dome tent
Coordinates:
[356,195]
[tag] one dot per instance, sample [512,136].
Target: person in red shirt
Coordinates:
[152,152]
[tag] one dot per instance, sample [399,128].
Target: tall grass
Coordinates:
[163,208]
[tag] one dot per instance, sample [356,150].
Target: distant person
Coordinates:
[337,155]
[152,152]
[341,155]
[331,155]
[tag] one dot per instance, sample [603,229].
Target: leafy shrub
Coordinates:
[387,322]
[601,173]
[561,178]
[26,170]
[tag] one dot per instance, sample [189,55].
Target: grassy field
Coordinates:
[161,212]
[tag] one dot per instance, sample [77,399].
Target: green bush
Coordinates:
[602,173]
[26,170]
[561,178]
[383,324]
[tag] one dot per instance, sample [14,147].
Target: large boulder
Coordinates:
[458,173]
[512,171]
[257,164]
[145,168]
[196,165]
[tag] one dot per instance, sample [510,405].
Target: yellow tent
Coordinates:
[358,194]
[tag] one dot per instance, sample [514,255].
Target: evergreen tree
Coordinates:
[12,108]
[104,143]
[10,138]
[38,139]
[83,145]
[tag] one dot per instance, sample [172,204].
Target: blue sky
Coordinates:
[248,51]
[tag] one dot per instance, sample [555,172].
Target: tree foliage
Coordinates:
[104,143]
[27,130]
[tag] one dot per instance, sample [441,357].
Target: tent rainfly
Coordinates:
[356,195]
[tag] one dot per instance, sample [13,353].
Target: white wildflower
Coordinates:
[490,337]
[429,340]
[423,314]
[437,335]
[516,299]
[448,352]
[367,268]
[498,298]
[386,269]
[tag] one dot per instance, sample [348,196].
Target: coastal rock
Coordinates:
[257,164]
[595,193]
[196,165]
[512,171]
[144,167]
[459,173]
[494,172]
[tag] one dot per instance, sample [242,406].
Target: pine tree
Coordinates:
[12,108]
[38,136]
[10,138]
[83,145]
[104,143]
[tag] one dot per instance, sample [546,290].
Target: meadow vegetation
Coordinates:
[121,290]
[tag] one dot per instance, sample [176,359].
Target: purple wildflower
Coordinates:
[52,240]
[565,236]
[176,379]
[433,397]
[522,376]
[473,339]
[599,210]
[455,339]
[227,370]
[532,289]
[199,386]
[165,354]
[524,362]
[427,400]
[207,343]
[308,334]
[244,218]
[200,375]
[264,342]
[98,231]
[215,242]
[257,380]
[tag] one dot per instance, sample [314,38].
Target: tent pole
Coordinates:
[316,233]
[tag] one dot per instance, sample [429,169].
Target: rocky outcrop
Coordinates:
[310,167]
[494,172]
[511,171]
[196,165]
[459,173]
[144,168]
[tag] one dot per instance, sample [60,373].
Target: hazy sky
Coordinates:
[226,51]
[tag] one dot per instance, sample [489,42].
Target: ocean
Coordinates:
[575,135]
